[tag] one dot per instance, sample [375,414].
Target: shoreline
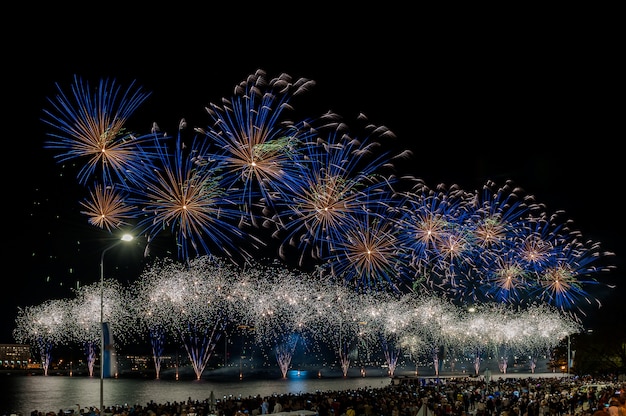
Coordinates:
[230,375]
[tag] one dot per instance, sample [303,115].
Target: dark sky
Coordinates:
[533,102]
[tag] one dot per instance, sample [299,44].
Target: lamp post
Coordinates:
[125,237]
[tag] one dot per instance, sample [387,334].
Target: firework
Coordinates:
[341,177]
[196,303]
[84,325]
[278,308]
[327,194]
[539,329]
[45,326]
[506,279]
[338,311]
[437,320]
[432,238]
[257,145]
[92,126]
[183,191]
[504,329]
[107,208]
[495,213]
[559,266]
[151,312]
[564,282]
[191,302]
[494,216]
[365,254]
[389,320]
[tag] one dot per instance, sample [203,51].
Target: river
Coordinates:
[22,394]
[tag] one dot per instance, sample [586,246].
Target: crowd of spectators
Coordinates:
[411,397]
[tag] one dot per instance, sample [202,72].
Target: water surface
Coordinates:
[24,394]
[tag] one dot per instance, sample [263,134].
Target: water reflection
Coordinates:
[24,394]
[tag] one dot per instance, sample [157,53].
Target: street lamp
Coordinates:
[125,237]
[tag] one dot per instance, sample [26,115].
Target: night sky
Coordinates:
[535,104]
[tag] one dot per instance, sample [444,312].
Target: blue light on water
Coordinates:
[297,374]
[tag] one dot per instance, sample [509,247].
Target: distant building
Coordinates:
[133,363]
[144,363]
[14,356]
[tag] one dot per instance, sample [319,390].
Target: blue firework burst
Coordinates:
[183,191]
[336,180]
[257,145]
[91,125]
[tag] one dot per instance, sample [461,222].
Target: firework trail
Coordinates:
[278,308]
[192,302]
[195,306]
[339,312]
[45,326]
[84,325]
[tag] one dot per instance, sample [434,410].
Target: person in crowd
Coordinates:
[278,407]
[613,408]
